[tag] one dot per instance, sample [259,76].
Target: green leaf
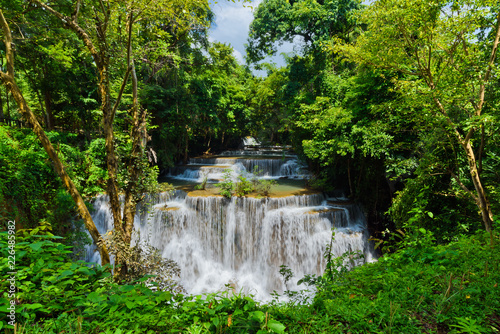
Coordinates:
[276,326]
[37,245]
[95,297]
[258,315]
[33,306]
[84,270]
[115,299]
[66,273]
[19,255]
[430,214]
[126,288]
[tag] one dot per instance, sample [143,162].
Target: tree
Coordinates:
[446,52]
[9,81]
[278,21]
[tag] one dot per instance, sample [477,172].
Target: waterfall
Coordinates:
[244,241]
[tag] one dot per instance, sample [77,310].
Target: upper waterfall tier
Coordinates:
[260,163]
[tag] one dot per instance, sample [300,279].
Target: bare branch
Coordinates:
[74,16]
[120,93]
[9,52]
[491,63]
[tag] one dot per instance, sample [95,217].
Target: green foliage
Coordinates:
[226,185]
[243,186]
[263,187]
[93,303]
[203,183]
[30,190]
[43,274]
[451,288]
[276,21]
[202,104]
[441,99]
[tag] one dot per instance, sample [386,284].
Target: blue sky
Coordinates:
[232,21]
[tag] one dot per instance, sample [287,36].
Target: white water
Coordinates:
[213,168]
[243,241]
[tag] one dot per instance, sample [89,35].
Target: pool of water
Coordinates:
[282,188]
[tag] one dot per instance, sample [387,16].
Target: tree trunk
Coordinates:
[7,102]
[481,197]
[59,167]
[48,110]
[2,116]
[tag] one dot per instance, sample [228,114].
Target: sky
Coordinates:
[232,22]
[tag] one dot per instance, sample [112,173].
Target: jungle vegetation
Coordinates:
[396,102]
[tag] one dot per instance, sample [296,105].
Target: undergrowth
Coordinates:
[429,289]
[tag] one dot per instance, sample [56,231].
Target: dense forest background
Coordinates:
[395,102]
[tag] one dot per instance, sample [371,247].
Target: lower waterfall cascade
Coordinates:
[243,241]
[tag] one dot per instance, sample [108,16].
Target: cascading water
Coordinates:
[270,165]
[243,241]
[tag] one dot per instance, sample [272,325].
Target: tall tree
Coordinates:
[8,79]
[447,51]
[315,21]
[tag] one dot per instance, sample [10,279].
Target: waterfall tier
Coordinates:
[213,168]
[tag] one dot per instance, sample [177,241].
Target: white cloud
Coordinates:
[238,56]
[232,21]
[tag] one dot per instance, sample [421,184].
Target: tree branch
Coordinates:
[491,64]
[76,11]
[474,197]
[9,52]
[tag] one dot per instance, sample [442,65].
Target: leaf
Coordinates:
[83,270]
[115,299]
[276,326]
[95,297]
[126,288]
[37,245]
[19,255]
[130,305]
[430,214]
[33,306]
[258,315]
